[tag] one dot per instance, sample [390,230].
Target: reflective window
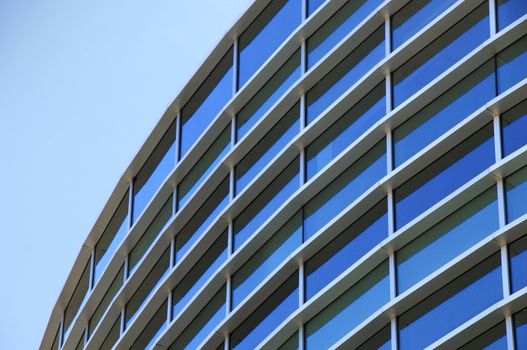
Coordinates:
[204,166]
[514,124]
[291,343]
[154,172]
[512,64]
[202,219]
[342,191]
[266,97]
[516,192]
[313,5]
[518,262]
[269,315]
[111,238]
[76,300]
[206,103]
[265,34]
[444,113]
[413,17]
[346,130]
[444,176]
[493,339]
[451,306]
[520,334]
[347,248]
[146,288]
[446,240]
[343,22]
[195,279]
[112,336]
[267,148]
[105,302]
[380,341]
[349,310]
[203,324]
[266,203]
[151,233]
[155,326]
[266,259]
[509,11]
[441,54]
[345,74]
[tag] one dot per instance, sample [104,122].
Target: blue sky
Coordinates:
[82,84]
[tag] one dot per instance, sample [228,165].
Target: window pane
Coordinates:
[452,305]
[151,233]
[76,300]
[345,74]
[446,240]
[156,325]
[202,325]
[204,166]
[509,11]
[380,341]
[266,203]
[206,103]
[444,176]
[156,275]
[346,130]
[518,263]
[344,21]
[111,238]
[347,248]
[267,148]
[444,113]
[106,300]
[413,17]
[195,279]
[493,339]
[269,315]
[202,219]
[313,5]
[349,310]
[441,54]
[112,336]
[347,187]
[265,98]
[516,192]
[154,171]
[520,322]
[265,34]
[266,259]
[514,124]
[512,65]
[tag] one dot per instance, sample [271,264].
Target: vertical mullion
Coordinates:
[92,270]
[61,331]
[131,204]
[122,327]
[169,307]
[235,66]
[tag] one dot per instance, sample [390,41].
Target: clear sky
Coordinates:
[82,84]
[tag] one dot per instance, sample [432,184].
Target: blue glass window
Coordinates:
[509,11]
[512,65]
[267,148]
[446,240]
[203,324]
[520,336]
[105,301]
[349,310]
[206,103]
[266,259]
[204,166]
[346,130]
[313,5]
[516,192]
[347,187]
[343,22]
[444,176]
[155,326]
[380,341]
[441,54]
[265,34]
[202,219]
[413,17]
[154,172]
[518,264]
[265,98]
[451,306]
[444,113]
[345,74]
[514,124]
[266,203]
[347,248]
[493,339]
[195,279]
[269,315]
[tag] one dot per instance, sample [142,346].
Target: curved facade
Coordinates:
[338,174]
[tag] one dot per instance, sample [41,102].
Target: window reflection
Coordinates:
[512,64]
[516,192]
[105,302]
[155,326]
[514,124]
[509,11]
[493,339]
[518,262]
[520,336]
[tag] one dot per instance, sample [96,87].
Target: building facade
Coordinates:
[338,174]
